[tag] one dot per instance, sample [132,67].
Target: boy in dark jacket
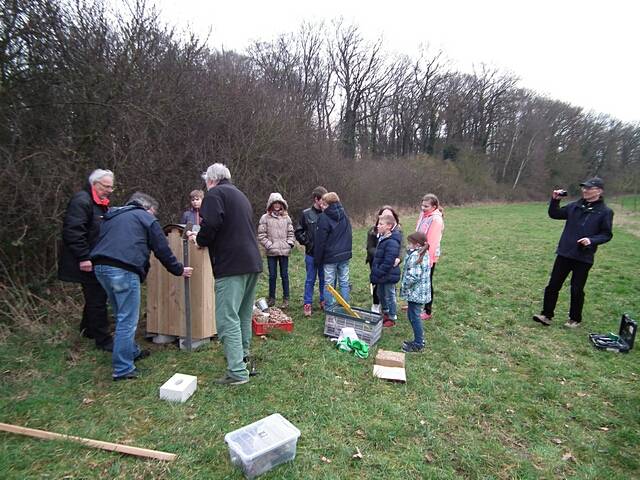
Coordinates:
[588,224]
[332,249]
[384,271]
[192,215]
[305,233]
[121,262]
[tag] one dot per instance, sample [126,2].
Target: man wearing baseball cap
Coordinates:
[588,224]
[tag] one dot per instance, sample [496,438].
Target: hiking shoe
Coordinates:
[271,302]
[572,324]
[227,380]
[542,319]
[132,375]
[307,309]
[388,322]
[412,347]
[285,304]
[425,316]
[142,355]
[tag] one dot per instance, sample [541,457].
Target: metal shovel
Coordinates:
[187,293]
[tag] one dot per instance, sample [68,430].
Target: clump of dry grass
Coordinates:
[23,310]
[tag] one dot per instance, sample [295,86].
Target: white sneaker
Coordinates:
[375,308]
[572,324]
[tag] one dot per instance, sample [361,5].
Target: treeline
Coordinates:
[84,87]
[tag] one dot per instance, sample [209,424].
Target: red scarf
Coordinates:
[104,201]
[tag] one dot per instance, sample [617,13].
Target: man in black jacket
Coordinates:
[79,235]
[305,234]
[227,229]
[588,224]
[121,262]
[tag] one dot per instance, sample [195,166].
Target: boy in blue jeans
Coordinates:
[384,273]
[333,245]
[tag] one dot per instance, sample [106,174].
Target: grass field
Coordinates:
[494,395]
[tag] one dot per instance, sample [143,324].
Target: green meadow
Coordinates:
[494,395]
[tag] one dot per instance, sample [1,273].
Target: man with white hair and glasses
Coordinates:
[80,231]
[227,229]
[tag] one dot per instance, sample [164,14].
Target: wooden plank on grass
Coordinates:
[113,447]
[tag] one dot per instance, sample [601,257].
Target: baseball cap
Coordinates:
[593,182]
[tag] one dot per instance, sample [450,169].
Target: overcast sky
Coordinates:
[582,52]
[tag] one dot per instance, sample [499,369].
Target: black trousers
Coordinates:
[95,321]
[561,269]
[427,306]
[376,300]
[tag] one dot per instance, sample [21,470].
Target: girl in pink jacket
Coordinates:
[431,224]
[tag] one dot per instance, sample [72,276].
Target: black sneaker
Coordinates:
[142,355]
[85,333]
[107,346]
[227,380]
[129,376]
[412,347]
[251,366]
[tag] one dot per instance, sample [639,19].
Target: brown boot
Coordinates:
[285,304]
[271,301]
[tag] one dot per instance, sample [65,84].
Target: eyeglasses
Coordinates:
[106,187]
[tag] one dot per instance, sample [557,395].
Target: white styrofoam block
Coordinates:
[179,388]
[162,339]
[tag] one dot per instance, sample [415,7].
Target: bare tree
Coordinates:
[359,68]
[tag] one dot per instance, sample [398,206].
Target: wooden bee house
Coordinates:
[165,292]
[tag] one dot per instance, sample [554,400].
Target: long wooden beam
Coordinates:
[113,447]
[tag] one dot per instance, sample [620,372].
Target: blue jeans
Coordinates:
[387,296]
[123,290]
[413,312]
[309,282]
[336,275]
[272,263]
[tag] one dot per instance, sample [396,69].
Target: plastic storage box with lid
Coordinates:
[262,445]
[368,327]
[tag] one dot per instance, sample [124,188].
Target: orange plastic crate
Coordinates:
[264,328]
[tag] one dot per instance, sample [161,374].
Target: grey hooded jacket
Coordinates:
[275,231]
